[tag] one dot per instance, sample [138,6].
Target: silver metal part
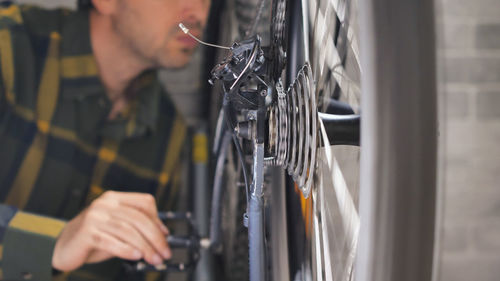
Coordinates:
[258,169]
[186,31]
[307,140]
[278,32]
[204,269]
[256,217]
[301,132]
[293,129]
[283,125]
[205,243]
[293,132]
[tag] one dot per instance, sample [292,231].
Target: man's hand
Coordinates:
[117,224]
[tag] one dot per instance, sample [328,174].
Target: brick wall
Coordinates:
[469,52]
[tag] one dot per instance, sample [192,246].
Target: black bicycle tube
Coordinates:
[295,52]
[341,129]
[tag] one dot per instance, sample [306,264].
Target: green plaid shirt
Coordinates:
[58,150]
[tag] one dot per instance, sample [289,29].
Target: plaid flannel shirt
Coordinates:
[58,150]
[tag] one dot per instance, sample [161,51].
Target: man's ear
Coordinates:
[105,7]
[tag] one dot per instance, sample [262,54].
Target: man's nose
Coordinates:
[195,10]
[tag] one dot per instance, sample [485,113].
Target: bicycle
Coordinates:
[397,131]
[419,102]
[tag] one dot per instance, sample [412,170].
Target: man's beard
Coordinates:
[142,48]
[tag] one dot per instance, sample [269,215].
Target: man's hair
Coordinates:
[84,4]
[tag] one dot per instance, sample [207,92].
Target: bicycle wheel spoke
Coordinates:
[334,47]
[336,69]
[339,216]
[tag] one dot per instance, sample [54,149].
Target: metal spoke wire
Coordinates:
[336,69]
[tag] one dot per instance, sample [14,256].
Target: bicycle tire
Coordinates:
[398,208]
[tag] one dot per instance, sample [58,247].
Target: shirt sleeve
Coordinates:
[26,244]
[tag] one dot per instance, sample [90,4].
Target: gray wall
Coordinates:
[470,59]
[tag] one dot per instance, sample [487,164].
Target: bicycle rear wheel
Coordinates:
[398,159]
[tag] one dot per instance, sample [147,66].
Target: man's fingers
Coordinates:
[147,227]
[138,210]
[147,205]
[129,235]
[117,224]
[96,256]
[163,228]
[142,201]
[114,246]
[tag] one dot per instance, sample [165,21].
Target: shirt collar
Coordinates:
[140,117]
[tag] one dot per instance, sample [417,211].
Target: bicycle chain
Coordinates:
[278,33]
[278,127]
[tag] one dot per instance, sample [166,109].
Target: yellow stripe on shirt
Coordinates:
[37,224]
[29,170]
[106,155]
[7,65]
[172,153]
[48,92]
[28,173]
[200,148]
[12,13]
[79,66]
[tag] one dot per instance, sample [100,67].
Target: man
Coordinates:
[81,114]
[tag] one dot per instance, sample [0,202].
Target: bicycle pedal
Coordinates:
[143,266]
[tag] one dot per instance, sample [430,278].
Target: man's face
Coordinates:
[150,28]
